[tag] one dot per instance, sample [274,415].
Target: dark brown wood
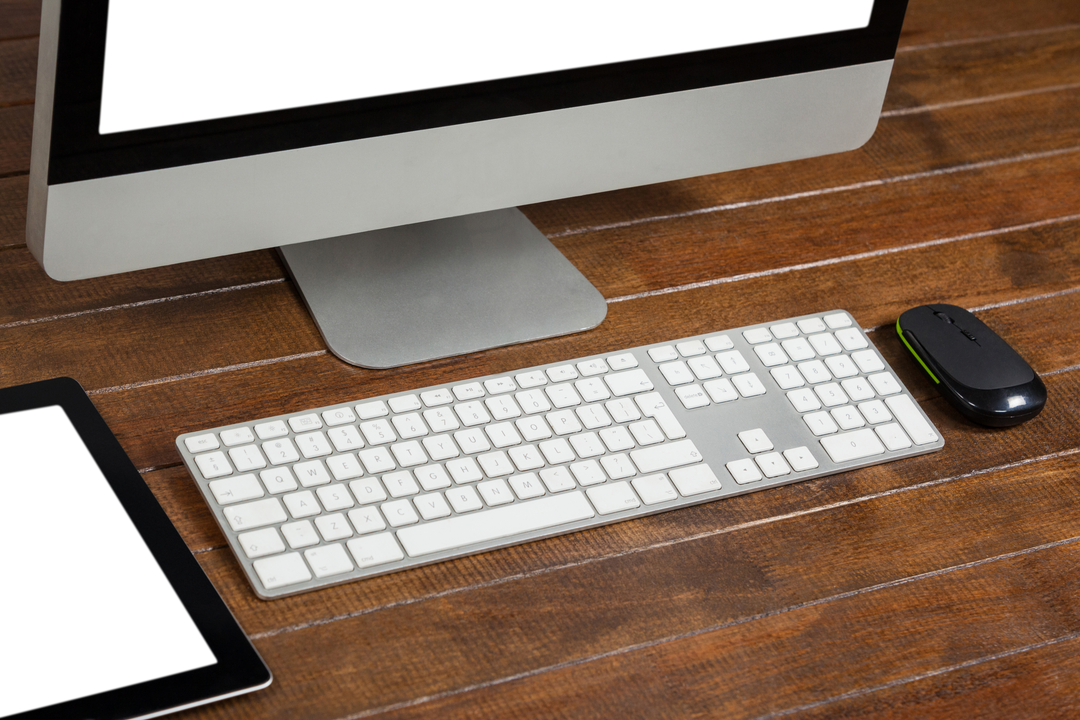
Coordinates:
[942,586]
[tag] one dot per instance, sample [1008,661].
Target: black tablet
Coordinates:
[107,614]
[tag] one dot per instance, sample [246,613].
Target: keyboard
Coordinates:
[377,485]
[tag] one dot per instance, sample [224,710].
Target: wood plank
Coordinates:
[13,191]
[162,339]
[729,592]
[18,70]
[16,129]
[972,452]
[876,290]
[1007,64]
[1036,684]
[19,18]
[765,667]
[929,21]
[36,297]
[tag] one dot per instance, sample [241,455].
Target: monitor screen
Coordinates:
[174,131]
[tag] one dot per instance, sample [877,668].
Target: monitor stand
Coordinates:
[437,289]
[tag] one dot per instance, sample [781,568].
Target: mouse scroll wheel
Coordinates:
[943,316]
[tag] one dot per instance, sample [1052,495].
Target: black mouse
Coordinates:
[976,371]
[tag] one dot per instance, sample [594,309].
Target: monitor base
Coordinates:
[409,294]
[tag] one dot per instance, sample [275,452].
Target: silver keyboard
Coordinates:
[373,486]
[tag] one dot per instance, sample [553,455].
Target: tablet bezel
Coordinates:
[239,668]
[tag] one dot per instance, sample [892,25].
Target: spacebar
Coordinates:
[493,524]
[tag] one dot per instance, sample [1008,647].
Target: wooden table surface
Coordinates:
[939,586]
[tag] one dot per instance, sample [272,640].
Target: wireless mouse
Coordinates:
[976,371]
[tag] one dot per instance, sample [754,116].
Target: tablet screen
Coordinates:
[87,607]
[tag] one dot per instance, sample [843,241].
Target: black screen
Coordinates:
[86,607]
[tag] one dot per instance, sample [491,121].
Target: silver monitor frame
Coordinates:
[113,224]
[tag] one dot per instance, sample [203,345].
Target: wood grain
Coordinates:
[942,586]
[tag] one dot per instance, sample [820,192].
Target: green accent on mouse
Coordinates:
[908,345]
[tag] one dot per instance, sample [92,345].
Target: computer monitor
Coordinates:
[384,146]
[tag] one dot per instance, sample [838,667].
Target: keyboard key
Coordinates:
[303,423]
[801,459]
[562,373]
[259,513]
[756,336]
[654,406]
[814,372]
[748,385]
[202,443]
[495,492]
[868,361]
[798,349]
[378,432]
[432,506]
[721,391]
[432,477]
[374,550]
[825,344]
[213,465]
[665,457]
[236,436]
[875,412]
[663,354]
[733,362]
[404,403]
[884,383]
[908,414]
[311,473]
[368,490]
[247,458]
[586,473]
[300,534]
[628,382]
[772,465]
[501,522]
[677,373]
[463,499]
[469,391]
[399,513]
[704,368]
[755,441]
[811,325]
[718,343]
[339,416]
[328,560]
[271,430]
[820,423]
[281,451]
[692,396]
[596,366]
[557,479]
[335,497]
[852,339]
[332,527]
[744,471]
[695,479]
[278,480]
[282,570]
[654,489]
[410,426]
[770,355]
[527,486]
[370,410]
[783,331]
[536,378]
[313,444]
[499,385]
[301,504]
[436,398]
[853,445]
[838,320]
[503,407]
[236,489]
[613,498]
[893,436]
[345,438]
[622,362]
[260,543]
[367,520]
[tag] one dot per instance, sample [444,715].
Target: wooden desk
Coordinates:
[940,586]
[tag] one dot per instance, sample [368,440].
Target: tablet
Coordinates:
[106,613]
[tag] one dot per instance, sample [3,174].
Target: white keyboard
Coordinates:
[376,485]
